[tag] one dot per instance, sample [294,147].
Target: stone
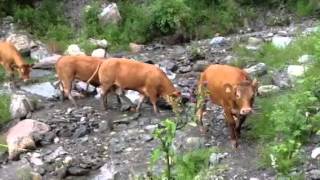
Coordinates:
[229,59]
[82,87]
[215,158]
[199,66]
[193,143]
[310,30]
[135,48]
[39,52]
[257,70]
[315,153]
[54,155]
[281,79]
[150,128]
[110,14]
[45,89]
[185,69]
[169,65]
[146,137]
[268,89]
[102,43]
[254,41]
[36,161]
[281,42]
[77,171]
[134,96]
[306,59]
[47,62]
[107,171]
[100,53]
[218,41]
[295,71]
[81,131]
[314,174]
[40,73]
[74,49]
[19,137]
[67,160]
[20,106]
[21,41]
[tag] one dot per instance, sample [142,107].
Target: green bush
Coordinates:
[4,109]
[287,120]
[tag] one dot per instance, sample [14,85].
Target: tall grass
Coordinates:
[4,109]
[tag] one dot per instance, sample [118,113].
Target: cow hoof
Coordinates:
[234,144]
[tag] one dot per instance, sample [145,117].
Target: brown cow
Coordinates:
[81,67]
[149,80]
[231,88]
[11,59]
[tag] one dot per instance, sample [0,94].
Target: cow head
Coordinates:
[242,95]
[174,99]
[24,71]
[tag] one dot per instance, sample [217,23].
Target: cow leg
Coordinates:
[238,128]
[67,92]
[200,109]
[60,86]
[141,99]
[232,128]
[105,88]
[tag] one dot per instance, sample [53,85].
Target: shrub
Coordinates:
[4,109]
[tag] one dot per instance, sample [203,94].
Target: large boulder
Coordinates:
[20,137]
[45,89]
[20,106]
[74,49]
[306,59]
[110,14]
[21,41]
[47,62]
[102,43]
[100,53]
[39,52]
[281,42]
[295,71]
[257,70]
[267,90]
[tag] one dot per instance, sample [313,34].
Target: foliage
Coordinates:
[4,109]
[166,136]
[287,120]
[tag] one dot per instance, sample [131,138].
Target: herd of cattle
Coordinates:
[229,87]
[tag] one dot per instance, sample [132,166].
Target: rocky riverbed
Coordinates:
[81,144]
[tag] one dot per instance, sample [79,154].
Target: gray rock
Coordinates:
[215,158]
[82,87]
[19,137]
[22,41]
[127,120]
[229,59]
[306,59]
[281,79]
[74,49]
[268,89]
[77,171]
[100,53]
[170,65]
[192,143]
[199,66]
[39,73]
[20,106]
[122,175]
[218,41]
[257,70]
[314,174]
[54,155]
[110,14]
[315,153]
[45,89]
[146,137]
[185,69]
[281,42]
[150,128]
[99,42]
[254,43]
[39,52]
[47,62]
[295,71]
[81,131]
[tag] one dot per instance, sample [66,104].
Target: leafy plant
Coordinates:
[4,109]
[166,135]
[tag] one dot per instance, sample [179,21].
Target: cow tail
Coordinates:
[92,76]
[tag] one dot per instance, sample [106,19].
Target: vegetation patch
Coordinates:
[4,109]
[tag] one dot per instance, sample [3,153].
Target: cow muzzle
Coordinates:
[245,111]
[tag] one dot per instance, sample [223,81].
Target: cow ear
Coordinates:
[228,89]
[176,94]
